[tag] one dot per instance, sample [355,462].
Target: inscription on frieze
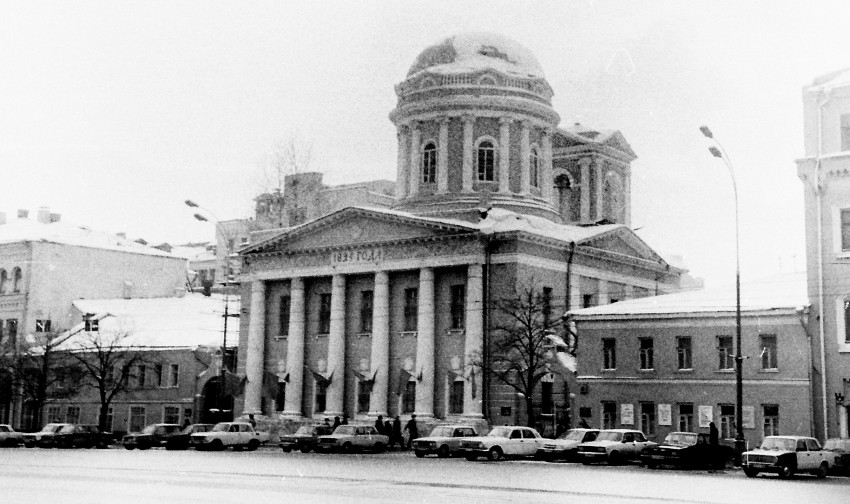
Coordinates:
[354,256]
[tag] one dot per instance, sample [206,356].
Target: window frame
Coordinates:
[685,418]
[770,421]
[646,353]
[457,296]
[487,172]
[534,166]
[428,162]
[456,391]
[367,307]
[609,354]
[769,345]
[324,317]
[684,353]
[284,315]
[725,353]
[411,309]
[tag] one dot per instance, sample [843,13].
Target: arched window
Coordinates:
[16,280]
[429,163]
[486,161]
[534,167]
[3,279]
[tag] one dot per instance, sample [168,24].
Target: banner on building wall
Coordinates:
[664,415]
[706,416]
[748,417]
[627,414]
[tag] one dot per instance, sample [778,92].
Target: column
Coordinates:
[504,154]
[425,345]
[604,297]
[401,170]
[415,172]
[443,157]
[575,292]
[584,163]
[842,421]
[525,152]
[628,292]
[599,172]
[380,359]
[548,181]
[468,121]
[254,358]
[295,349]
[336,348]
[474,344]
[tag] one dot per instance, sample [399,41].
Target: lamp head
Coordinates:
[706,131]
[201,217]
[715,152]
[190,203]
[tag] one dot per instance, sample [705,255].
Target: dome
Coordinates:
[469,52]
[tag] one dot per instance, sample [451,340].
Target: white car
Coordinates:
[9,437]
[348,438]
[237,435]
[614,446]
[444,440]
[565,446]
[787,455]
[500,442]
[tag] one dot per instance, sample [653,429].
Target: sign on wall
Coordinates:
[748,414]
[664,415]
[706,416]
[627,414]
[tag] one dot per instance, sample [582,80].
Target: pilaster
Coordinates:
[380,358]
[474,342]
[525,161]
[504,154]
[468,122]
[414,174]
[443,156]
[584,164]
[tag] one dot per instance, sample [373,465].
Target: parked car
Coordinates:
[81,436]
[501,442]
[841,448]
[151,436]
[565,446]
[788,455]
[305,438]
[444,440]
[237,435]
[348,438]
[614,446]
[180,440]
[9,437]
[689,450]
[44,437]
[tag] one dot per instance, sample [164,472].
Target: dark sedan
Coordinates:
[305,438]
[151,436]
[180,441]
[687,450]
[81,436]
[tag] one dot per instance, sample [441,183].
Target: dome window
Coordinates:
[487,80]
[486,161]
[429,163]
[534,167]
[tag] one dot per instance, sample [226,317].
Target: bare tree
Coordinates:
[288,157]
[109,360]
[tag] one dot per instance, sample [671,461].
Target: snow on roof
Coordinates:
[502,221]
[832,80]
[21,230]
[469,52]
[784,291]
[194,252]
[189,321]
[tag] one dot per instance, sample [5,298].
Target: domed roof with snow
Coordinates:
[469,52]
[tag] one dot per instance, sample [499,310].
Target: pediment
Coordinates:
[359,226]
[624,241]
[617,141]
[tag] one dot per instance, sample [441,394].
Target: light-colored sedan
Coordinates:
[506,441]
[10,437]
[444,440]
[614,446]
[348,438]
[565,446]
[238,435]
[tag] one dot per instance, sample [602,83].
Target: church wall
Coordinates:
[455,157]
[515,165]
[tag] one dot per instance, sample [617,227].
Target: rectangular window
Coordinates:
[137,418]
[586,300]
[847,320]
[171,414]
[364,393]
[411,309]
[366,308]
[683,351]
[547,306]
[280,399]
[768,351]
[141,376]
[609,415]
[174,375]
[609,353]
[408,400]
[647,418]
[73,414]
[725,353]
[727,421]
[546,397]
[157,376]
[646,353]
[458,306]
[456,397]
[845,132]
[54,414]
[321,397]
[110,418]
[283,320]
[686,417]
[42,325]
[324,314]
[771,419]
[91,325]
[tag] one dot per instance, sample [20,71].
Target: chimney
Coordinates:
[23,214]
[121,235]
[44,215]
[2,218]
[55,217]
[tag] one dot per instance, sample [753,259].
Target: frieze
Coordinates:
[357,256]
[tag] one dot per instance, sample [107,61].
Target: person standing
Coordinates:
[412,430]
[252,421]
[337,423]
[388,431]
[396,433]
[379,424]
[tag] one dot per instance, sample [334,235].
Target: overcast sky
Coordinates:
[113,113]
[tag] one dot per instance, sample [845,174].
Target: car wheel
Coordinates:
[347,448]
[128,447]
[287,450]
[494,454]
[822,470]
[305,449]
[144,446]
[419,453]
[786,472]
[471,457]
[651,465]
[614,458]
[253,445]
[751,473]
[379,447]
[443,452]
[217,445]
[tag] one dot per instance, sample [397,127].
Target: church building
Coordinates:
[378,311]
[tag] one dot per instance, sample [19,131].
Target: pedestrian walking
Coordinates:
[379,424]
[388,431]
[412,430]
[252,421]
[396,435]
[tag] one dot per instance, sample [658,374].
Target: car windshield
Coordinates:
[500,432]
[51,427]
[66,429]
[221,427]
[150,429]
[345,429]
[681,438]
[772,443]
[189,429]
[306,430]
[837,445]
[442,431]
[572,435]
[609,436]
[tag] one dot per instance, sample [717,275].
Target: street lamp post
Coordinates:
[227,283]
[740,443]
